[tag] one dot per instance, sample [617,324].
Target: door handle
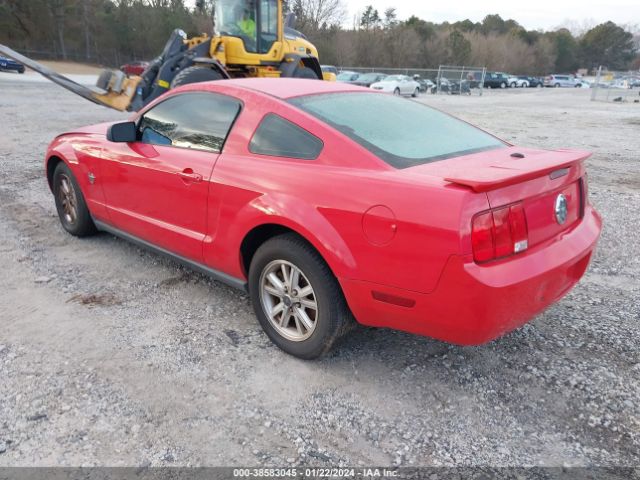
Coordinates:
[188,176]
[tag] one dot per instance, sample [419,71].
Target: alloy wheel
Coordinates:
[68,200]
[288,300]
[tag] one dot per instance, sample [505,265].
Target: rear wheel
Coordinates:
[195,75]
[514,84]
[296,298]
[503,85]
[305,72]
[416,93]
[70,203]
[557,85]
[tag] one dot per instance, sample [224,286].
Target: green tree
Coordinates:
[608,44]
[370,18]
[493,24]
[566,50]
[459,48]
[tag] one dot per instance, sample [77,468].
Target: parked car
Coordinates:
[496,80]
[329,202]
[398,85]
[329,69]
[8,64]
[134,68]
[524,81]
[425,84]
[518,82]
[347,76]
[558,81]
[452,87]
[535,82]
[367,79]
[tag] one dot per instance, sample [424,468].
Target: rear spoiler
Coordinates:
[516,169]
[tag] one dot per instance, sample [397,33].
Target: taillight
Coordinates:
[499,233]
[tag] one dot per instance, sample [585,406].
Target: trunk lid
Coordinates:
[535,178]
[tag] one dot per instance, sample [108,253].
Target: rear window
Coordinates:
[401,132]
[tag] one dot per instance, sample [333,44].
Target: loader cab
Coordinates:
[256,22]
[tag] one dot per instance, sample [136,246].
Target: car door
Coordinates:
[405,86]
[156,188]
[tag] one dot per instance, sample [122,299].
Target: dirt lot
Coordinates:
[110,355]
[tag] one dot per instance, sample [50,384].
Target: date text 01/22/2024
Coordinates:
[315,472]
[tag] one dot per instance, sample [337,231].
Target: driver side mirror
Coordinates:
[290,20]
[123,132]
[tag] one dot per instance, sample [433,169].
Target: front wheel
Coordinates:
[296,298]
[514,85]
[70,203]
[416,93]
[503,85]
[396,92]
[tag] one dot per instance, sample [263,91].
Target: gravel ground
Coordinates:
[111,355]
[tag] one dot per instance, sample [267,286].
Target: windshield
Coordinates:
[401,132]
[370,77]
[245,19]
[394,78]
[347,76]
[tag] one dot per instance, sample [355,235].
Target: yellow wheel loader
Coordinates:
[251,39]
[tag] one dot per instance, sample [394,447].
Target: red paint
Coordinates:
[413,250]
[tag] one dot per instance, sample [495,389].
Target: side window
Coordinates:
[278,137]
[192,120]
[269,24]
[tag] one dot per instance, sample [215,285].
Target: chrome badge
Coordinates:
[561,209]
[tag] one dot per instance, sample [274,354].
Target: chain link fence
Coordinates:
[616,86]
[446,79]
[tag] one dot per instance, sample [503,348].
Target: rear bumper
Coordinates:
[473,304]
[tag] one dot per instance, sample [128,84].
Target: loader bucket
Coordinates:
[117,101]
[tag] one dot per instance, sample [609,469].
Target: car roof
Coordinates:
[288,87]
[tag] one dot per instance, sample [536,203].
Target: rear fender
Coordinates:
[288,212]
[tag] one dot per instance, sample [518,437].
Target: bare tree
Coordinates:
[318,14]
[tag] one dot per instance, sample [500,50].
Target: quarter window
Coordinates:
[280,138]
[200,121]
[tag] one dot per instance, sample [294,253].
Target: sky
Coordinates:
[532,14]
[577,15]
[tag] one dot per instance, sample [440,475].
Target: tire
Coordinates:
[396,92]
[578,85]
[513,85]
[503,85]
[305,72]
[195,74]
[557,85]
[416,93]
[325,324]
[539,85]
[72,208]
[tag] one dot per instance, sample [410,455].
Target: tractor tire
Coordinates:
[195,75]
[305,72]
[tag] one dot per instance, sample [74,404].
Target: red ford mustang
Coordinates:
[330,202]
